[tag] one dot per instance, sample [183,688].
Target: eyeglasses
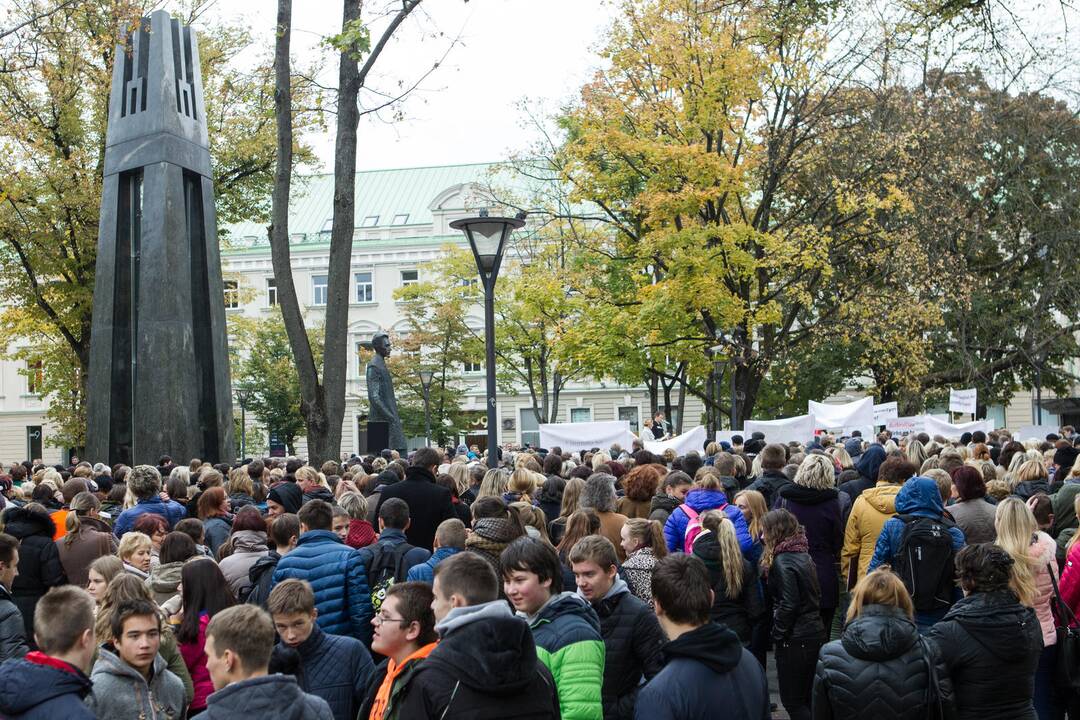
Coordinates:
[382,618]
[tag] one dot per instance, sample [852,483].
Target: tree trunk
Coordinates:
[682,402]
[311,393]
[654,402]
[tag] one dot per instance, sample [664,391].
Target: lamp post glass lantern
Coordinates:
[242,397]
[426,376]
[487,238]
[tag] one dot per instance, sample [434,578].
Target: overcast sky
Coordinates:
[467,110]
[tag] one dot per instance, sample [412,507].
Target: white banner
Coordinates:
[800,428]
[853,414]
[1035,432]
[586,435]
[691,440]
[726,435]
[962,401]
[951,431]
[911,424]
[885,411]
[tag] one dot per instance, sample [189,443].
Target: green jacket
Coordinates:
[567,635]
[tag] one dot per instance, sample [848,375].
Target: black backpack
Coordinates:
[387,567]
[924,561]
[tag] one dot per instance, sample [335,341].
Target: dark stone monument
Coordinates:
[159,372]
[383,421]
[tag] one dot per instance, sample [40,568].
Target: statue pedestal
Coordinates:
[378,437]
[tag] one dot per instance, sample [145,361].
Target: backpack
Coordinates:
[924,561]
[387,567]
[693,528]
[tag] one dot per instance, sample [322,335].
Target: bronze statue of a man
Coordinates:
[382,406]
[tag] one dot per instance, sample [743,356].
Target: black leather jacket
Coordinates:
[793,586]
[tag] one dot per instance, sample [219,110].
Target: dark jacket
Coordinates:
[261,574]
[93,540]
[868,465]
[661,507]
[39,687]
[277,696]
[991,644]
[739,613]
[216,532]
[319,493]
[550,497]
[39,562]
[707,674]
[338,578]
[821,515]
[632,643]
[793,587]
[425,571]
[1028,488]
[389,539]
[239,500]
[335,668]
[769,485]
[878,669]
[484,668]
[12,633]
[429,504]
[172,511]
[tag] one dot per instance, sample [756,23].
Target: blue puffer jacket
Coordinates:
[338,578]
[703,500]
[43,688]
[425,571]
[172,511]
[337,669]
[919,497]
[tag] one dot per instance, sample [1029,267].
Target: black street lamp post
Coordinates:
[242,397]
[425,382]
[487,237]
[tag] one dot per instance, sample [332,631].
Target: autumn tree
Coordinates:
[54,94]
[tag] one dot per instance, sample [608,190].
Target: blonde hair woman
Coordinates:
[521,487]
[915,452]
[841,455]
[494,483]
[850,684]
[1034,572]
[753,507]
[643,542]
[1030,478]
[736,596]
[571,500]
[135,551]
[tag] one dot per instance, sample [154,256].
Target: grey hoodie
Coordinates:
[270,696]
[122,693]
[461,616]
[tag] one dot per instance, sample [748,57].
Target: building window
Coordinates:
[360,360]
[474,367]
[469,282]
[530,428]
[581,414]
[409,277]
[35,379]
[232,294]
[271,292]
[630,414]
[327,225]
[365,287]
[318,289]
[401,219]
[370,221]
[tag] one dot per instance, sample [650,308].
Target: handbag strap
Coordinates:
[1068,615]
[933,689]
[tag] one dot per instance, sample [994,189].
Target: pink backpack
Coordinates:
[693,528]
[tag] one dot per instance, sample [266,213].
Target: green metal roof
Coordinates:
[385,193]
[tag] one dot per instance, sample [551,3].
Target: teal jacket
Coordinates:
[567,635]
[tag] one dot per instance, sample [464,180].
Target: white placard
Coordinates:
[1035,432]
[900,426]
[963,401]
[951,431]
[885,411]
[853,414]
[691,440]
[799,429]
[726,435]
[586,435]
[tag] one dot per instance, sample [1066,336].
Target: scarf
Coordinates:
[382,697]
[797,543]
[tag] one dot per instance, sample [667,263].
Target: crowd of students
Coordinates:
[917,578]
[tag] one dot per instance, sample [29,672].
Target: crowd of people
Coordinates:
[890,579]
